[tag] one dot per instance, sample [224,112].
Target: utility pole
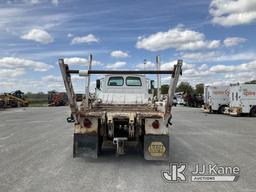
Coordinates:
[158,78]
[145,62]
[87,84]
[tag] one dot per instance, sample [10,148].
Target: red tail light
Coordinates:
[156,124]
[87,123]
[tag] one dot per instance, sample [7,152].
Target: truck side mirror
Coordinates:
[152,84]
[98,83]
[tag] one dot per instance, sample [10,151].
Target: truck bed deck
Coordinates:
[142,110]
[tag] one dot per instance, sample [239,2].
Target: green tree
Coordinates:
[199,89]
[185,87]
[164,89]
[251,82]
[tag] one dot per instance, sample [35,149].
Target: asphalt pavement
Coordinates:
[36,154]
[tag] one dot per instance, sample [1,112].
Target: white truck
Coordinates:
[121,113]
[242,99]
[216,98]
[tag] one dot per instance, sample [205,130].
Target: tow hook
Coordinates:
[71,119]
[169,121]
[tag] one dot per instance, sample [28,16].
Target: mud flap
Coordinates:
[156,147]
[85,146]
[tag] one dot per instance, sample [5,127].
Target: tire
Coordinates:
[100,142]
[253,111]
[221,109]
[75,146]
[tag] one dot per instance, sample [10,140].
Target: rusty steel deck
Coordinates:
[142,110]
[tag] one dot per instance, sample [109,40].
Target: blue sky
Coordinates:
[215,38]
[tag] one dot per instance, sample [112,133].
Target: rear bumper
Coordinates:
[206,108]
[156,147]
[227,111]
[235,111]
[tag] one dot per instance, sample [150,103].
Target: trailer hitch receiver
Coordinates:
[119,142]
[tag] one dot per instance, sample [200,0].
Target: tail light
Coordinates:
[87,123]
[156,124]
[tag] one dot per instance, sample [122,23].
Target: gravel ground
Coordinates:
[36,154]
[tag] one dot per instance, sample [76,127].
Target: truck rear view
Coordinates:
[242,99]
[216,98]
[121,113]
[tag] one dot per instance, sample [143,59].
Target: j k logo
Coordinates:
[176,173]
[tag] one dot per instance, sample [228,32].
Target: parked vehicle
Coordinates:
[1,103]
[121,113]
[57,98]
[174,101]
[180,100]
[194,100]
[13,99]
[242,99]
[216,98]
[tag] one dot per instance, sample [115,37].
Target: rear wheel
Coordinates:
[253,111]
[221,109]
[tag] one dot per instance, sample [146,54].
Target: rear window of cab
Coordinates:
[133,81]
[116,81]
[119,81]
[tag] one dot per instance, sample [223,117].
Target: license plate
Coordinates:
[156,149]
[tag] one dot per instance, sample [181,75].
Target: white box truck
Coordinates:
[216,98]
[242,99]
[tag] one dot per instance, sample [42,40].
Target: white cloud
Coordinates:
[80,61]
[222,68]
[51,78]
[38,35]
[55,2]
[34,2]
[218,56]
[116,65]
[240,75]
[119,54]
[84,39]
[178,38]
[196,73]
[232,68]
[203,67]
[233,41]
[4,73]
[34,85]
[14,63]
[169,65]
[56,83]
[76,61]
[233,12]
[147,65]
[44,84]
[217,74]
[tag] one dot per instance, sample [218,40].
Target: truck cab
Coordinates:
[123,89]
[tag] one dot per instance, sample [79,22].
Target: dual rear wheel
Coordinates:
[253,111]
